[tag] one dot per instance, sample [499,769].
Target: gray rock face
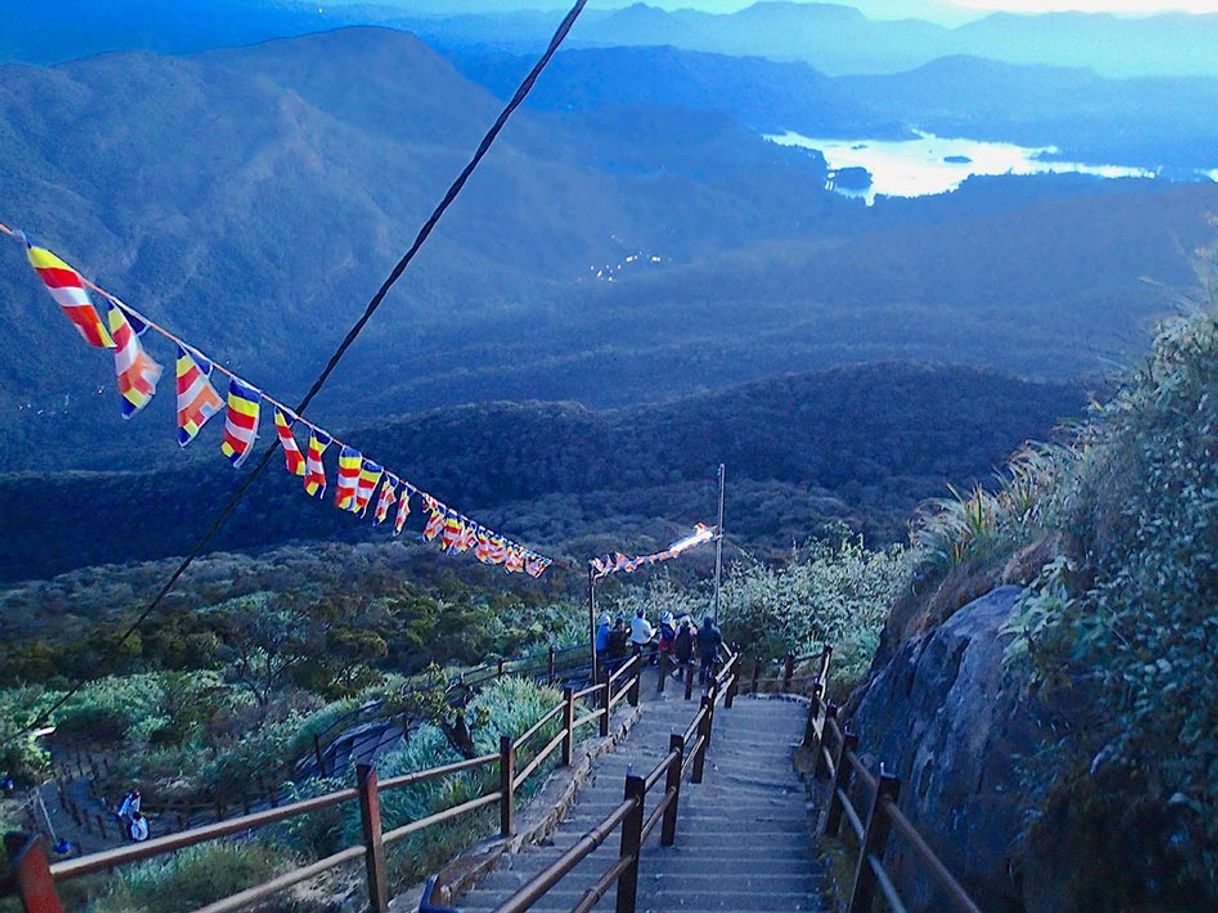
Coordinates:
[944,718]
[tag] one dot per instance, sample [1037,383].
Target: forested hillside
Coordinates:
[859,444]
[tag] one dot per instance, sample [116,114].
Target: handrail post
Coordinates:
[321,758]
[842,773]
[825,656]
[632,696]
[507,773]
[499,669]
[756,675]
[32,873]
[875,836]
[788,670]
[663,673]
[606,697]
[732,682]
[668,830]
[632,844]
[550,667]
[568,725]
[689,680]
[713,694]
[704,732]
[813,716]
[822,768]
[374,849]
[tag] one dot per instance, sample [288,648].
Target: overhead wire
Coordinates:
[424,232]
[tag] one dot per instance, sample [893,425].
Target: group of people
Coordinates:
[133,820]
[678,640]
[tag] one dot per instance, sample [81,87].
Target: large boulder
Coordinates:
[944,717]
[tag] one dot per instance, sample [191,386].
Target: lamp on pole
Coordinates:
[719,541]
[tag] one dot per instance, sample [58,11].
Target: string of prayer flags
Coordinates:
[197,398]
[292,456]
[197,401]
[605,565]
[369,474]
[137,373]
[68,290]
[349,462]
[315,469]
[384,501]
[241,421]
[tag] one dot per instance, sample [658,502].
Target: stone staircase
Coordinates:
[743,840]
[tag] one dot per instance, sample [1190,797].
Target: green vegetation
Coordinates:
[1115,635]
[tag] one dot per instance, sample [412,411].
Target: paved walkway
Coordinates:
[742,839]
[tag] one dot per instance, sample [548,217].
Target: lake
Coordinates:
[932,164]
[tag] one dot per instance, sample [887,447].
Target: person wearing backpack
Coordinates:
[683,646]
[709,642]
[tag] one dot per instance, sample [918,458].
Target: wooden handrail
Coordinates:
[536,727]
[422,776]
[951,887]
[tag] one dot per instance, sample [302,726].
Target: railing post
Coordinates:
[32,873]
[321,759]
[663,665]
[874,838]
[842,772]
[732,682]
[689,680]
[825,656]
[606,696]
[704,733]
[756,674]
[713,694]
[568,725]
[632,844]
[499,669]
[632,696]
[822,768]
[668,829]
[374,849]
[507,773]
[550,666]
[788,670]
[813,715]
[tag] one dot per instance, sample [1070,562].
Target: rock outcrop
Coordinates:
[944,717]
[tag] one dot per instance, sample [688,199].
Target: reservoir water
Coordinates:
[932,164]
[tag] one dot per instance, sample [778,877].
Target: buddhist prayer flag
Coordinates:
[137,372]
[453,530]
[292,456]
[369,474]
[403,510]
[349,462]
[535,565]
[498,549]
[197,398]
[515,560]
[435,522]
[68,290]
[384,501]
[315,469]
[241,421]
[482,551]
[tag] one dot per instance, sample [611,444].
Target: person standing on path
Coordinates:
[641,631]
[683,646]
[709,642]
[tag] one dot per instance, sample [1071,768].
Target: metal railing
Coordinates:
[686,757]
[34,876]
[835,753]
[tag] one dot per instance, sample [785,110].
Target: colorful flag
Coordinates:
[453,530]
[241,422]
[197,398]
[601,566]
[315,469]
[292,456]
[68,290]
[403,510]
[515,560]
[137,372]
[384,501]
[349,461]
[483,549]
[435,522]
[369,474]
[535,565]
[498,550]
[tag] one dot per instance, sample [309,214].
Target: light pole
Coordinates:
[592,620]
[719,540]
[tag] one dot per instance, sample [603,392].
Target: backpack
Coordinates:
[667,636]
[683,644]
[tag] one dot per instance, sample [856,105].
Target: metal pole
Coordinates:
[592,621]
[719,540]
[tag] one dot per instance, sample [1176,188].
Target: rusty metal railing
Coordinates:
[34,876]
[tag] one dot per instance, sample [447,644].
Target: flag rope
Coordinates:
[424,233]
